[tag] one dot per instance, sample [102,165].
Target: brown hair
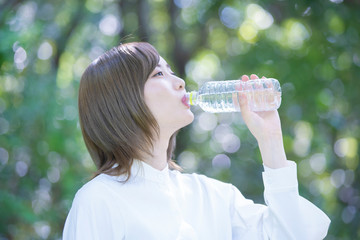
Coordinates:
[116,124]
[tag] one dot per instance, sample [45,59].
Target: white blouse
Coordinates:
[167,204]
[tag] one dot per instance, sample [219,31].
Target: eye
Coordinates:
[158,74]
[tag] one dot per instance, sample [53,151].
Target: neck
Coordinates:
[158,160]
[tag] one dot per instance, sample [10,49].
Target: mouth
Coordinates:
[185,101]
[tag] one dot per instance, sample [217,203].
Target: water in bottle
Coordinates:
[222,96]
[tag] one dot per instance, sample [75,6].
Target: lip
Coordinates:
[185,101]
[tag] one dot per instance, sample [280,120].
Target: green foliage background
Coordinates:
[312,47]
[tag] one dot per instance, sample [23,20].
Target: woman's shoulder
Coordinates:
[202,181]
[97,189]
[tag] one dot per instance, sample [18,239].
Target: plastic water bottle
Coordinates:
[222,96]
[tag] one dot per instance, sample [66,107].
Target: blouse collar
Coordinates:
[141,169]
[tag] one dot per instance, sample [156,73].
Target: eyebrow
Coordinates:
[167,65]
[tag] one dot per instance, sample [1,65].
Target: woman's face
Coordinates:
[164,93]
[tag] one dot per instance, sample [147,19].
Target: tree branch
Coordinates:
[143,18]
[66,35]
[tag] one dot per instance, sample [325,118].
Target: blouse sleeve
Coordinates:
[286,215]
[90,218]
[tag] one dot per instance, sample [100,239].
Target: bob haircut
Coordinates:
[116,124]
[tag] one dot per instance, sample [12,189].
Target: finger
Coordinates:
[235,99]
[254,76]
[244,78]
[266,83]
[238,86]
[244,108]
[243,102]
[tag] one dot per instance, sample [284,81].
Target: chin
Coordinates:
[189,118]
[185,120]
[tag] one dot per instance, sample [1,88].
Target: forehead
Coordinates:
[162,63]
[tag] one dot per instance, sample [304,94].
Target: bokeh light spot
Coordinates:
[184,3]
[348,214]
[230,143]
[42,229]
[346,147]
[262,18]
[303,136]
[110,25]
[21,168]
[4,126]
[230,17]
[318,163]
[4,156]
[188,161]
[336,24]
[221,161]
[295,34]
[207,121]
[53,174]
[337,178]
[45,51]
[204,68]
[248,31]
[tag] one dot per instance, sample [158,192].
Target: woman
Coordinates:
[130,107]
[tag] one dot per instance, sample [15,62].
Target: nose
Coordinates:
[179,83]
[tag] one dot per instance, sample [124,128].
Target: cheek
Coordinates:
[156,93]
[155,98]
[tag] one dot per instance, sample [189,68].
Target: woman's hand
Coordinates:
[266,128]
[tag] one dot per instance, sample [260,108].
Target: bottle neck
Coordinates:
[193,97]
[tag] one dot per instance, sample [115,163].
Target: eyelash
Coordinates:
[158,74]
[161,74]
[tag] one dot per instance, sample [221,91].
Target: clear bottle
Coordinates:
[221,96]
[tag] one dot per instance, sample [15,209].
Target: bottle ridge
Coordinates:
[222,96]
